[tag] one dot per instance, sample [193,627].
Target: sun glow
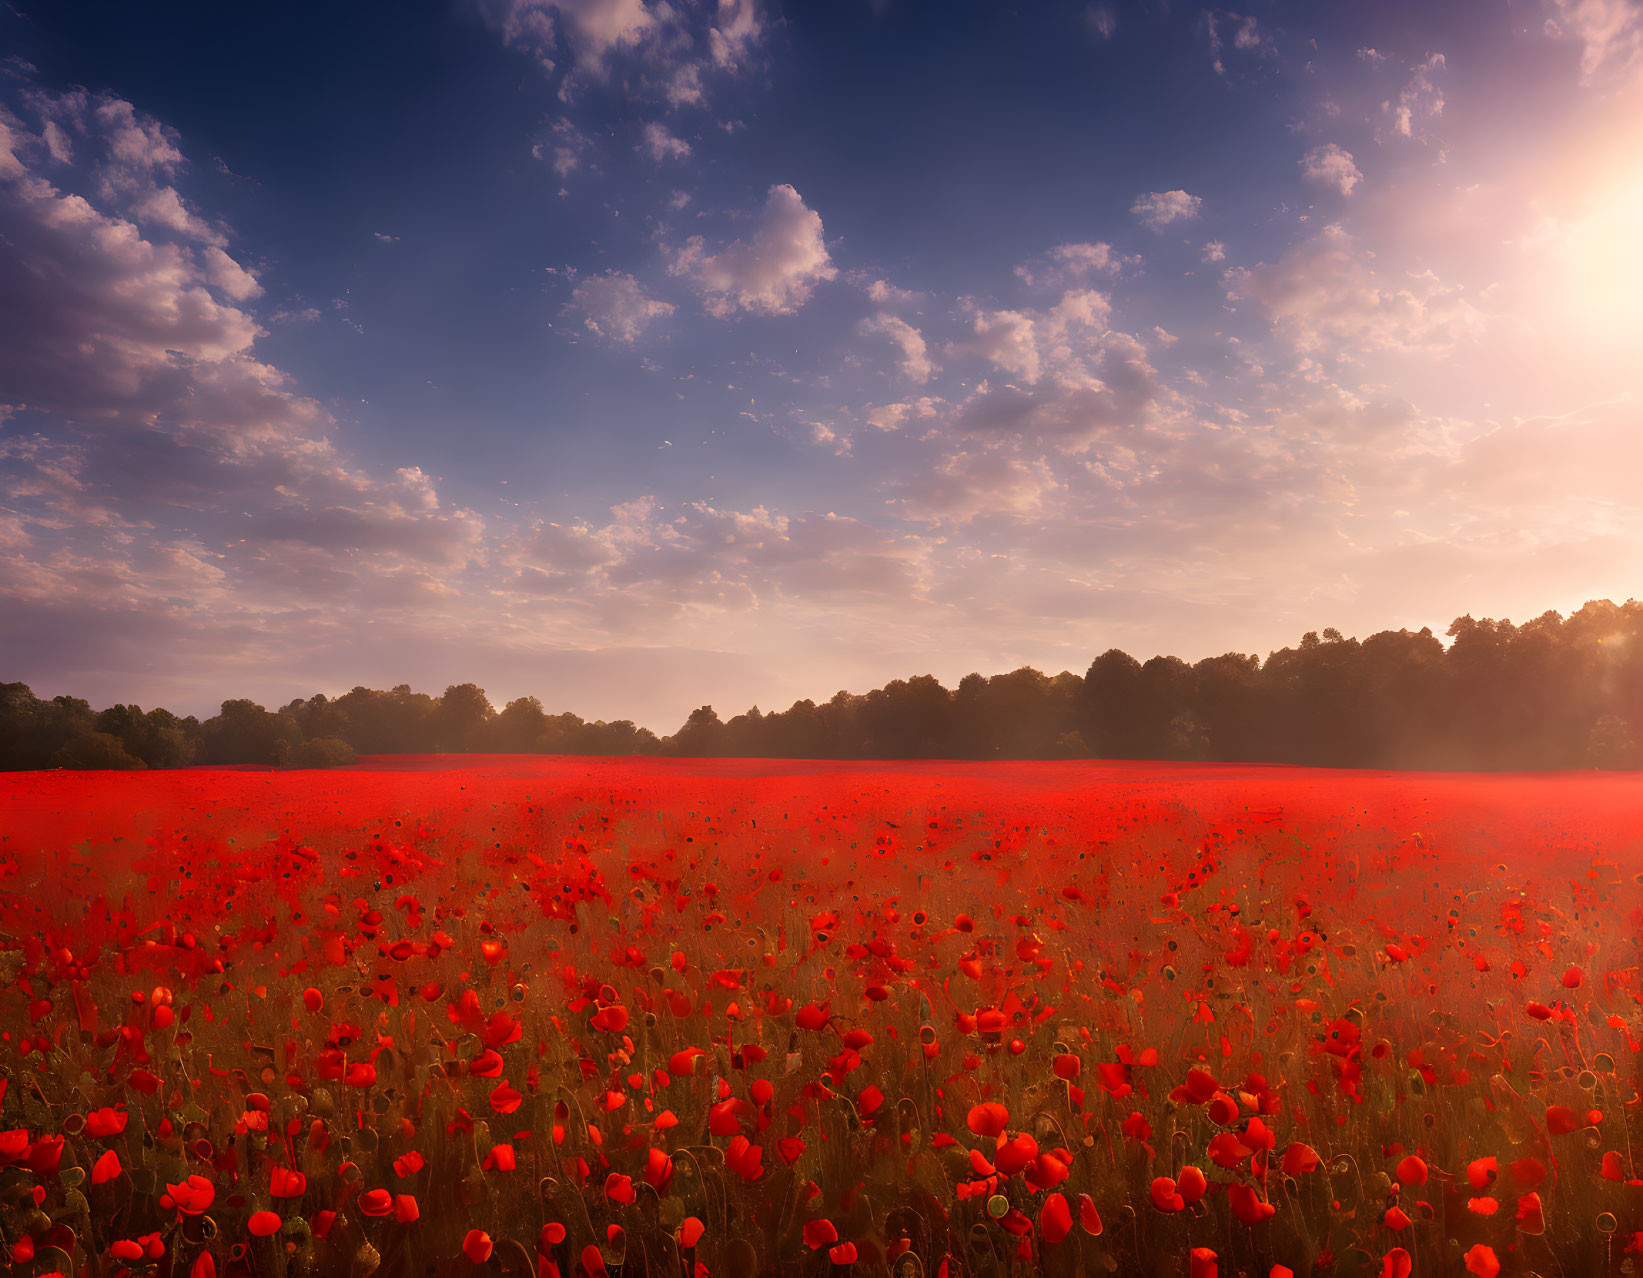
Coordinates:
[1602,257]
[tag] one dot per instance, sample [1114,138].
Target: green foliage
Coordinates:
[96,750]
[318,752]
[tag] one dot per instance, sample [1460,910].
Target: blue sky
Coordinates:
[641,355]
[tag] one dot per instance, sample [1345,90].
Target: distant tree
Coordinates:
[319,716]
[521,728]
[908,719]
[1226,703]
[244,732]
[96,750]
[461,718]
[1312,701]
[1110,705]
[398,721]
[1553,692]
[159,738]
[702,735]
[621,736]
[318,752]
[22,719]
[1168,729]
[1404,720]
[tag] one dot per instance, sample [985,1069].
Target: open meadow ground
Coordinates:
[680,1017]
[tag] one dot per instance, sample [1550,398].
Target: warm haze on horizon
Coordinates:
[640,356]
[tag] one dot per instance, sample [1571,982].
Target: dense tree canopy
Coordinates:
[1555,692]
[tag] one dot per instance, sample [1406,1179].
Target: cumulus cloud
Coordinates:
[772,272]
[1611,35]
[93,312]
[889,417]
[228,277]
[1007,340]
[1214,251]
[666,52]
[1419,101]
[590,29]
[656,142]
[1021,342]
[973,483]
[736,32]
[1084,258]
[1331,165]
[616,307]
[1327,293]
[1246,37]
[1157,209]
[141,353]
[914,360]
[1066,413]
[1069,263]
[565,147]
[707,558]
[887,294]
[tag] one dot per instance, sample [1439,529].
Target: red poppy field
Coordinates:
[575,1016]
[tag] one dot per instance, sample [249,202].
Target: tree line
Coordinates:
[1555,692]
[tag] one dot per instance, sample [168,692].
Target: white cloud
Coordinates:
[890,417]
[228,277]
[887,294]
[915,357]
[94,311]
[684,86]
[705,559]
[1331,165]
[735,34]
[1214,251]
[1006,339]
[1420,100]
[663,52]
[1611,32]
[592,29]
[1326,293]
[616,307]
[976,482]
[1071,262]
[1157,209]
[10,165]
[1084,258]
[1246,37]
[773,272]
[656,142]
[162,206]
[565,147]
[1022,342]
[165,417]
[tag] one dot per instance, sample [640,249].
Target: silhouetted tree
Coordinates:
[159,738]
[102,750]
[244,732]
[460,718]
[1111,705]
[521,728]
[702,735]
[1554,692]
